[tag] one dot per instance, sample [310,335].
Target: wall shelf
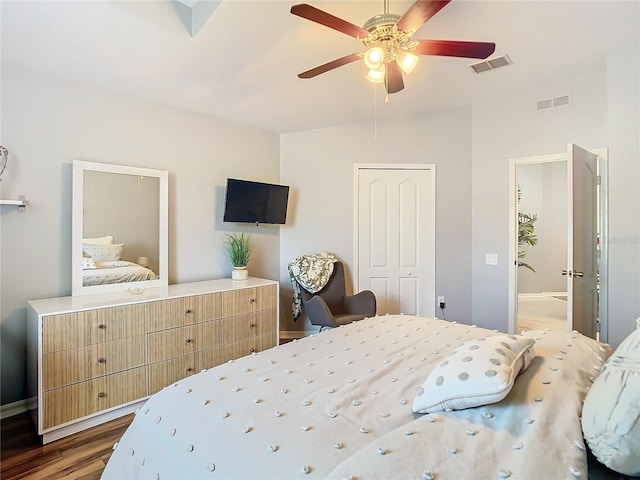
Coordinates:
[21,202]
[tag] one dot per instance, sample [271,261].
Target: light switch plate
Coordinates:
[491,258]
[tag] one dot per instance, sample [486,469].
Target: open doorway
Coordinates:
[542,253]
[558,277]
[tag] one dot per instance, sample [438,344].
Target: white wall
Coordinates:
[47,123]
[319,166]
[623,132]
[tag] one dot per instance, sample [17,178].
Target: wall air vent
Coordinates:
[491,64]
[547,103]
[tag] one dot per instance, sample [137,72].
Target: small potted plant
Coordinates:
[238,247]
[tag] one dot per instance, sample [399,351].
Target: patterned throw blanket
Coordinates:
[312,272]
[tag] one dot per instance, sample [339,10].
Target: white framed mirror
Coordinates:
[119,228]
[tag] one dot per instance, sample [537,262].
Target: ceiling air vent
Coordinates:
[491,64]
[561,101]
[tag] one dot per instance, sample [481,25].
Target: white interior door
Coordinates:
[395,237]
[582,268]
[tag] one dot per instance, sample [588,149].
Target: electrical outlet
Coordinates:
[441,302]
[491,259]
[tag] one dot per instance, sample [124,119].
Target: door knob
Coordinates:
[578,274]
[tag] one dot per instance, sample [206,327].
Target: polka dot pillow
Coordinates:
[103,253]
[88,263]
[479,372]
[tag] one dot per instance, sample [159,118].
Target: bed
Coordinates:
[102,264]
[340,404]
[117,271]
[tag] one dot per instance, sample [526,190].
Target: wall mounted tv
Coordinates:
[255,202]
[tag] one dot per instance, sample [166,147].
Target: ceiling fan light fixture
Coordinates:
[374,57]
[407,61]
[376,75]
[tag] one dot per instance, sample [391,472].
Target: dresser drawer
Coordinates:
[165,373]
[76,401]
[92,361]
[70,330]
[183,311]
[248,325]
[124,354]
[125,387]
[123,322]
[71,366]
[87,327]
[249,346]
[209,358]
[248,300]
[176,342]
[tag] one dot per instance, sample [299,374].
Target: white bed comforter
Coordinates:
[118,271]
[338,405]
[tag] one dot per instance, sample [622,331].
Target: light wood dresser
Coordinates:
[94,358]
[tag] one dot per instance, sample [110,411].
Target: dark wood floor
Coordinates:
[83,455]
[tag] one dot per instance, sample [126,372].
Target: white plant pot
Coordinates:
[239,273]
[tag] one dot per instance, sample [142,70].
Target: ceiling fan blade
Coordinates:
[418,14]
[338,62]
[315,15]
[452,48]
[393,78]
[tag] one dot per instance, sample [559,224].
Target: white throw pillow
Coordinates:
[611,412]
[88,263]
[103,253]
[107,240]
[479,372]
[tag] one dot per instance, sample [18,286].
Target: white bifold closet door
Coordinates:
[395,244]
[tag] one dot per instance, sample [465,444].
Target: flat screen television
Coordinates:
[255,202]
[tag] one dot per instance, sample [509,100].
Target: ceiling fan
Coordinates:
[390,49]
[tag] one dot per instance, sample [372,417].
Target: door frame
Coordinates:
[431,216]
[602,154]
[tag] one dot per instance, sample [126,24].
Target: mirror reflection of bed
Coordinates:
[116,235]
[103,263]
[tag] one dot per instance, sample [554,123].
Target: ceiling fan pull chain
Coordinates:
[375,112]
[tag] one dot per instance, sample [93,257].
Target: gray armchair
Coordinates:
[331,306]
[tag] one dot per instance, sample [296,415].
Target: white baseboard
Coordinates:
[16,408]
[296,333]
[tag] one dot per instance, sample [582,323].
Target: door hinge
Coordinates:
[598,180]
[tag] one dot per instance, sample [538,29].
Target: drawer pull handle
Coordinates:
[251,325]
[102,326]
[251,350]
[188,311]
[188,340]
[252,300]
[189,369]
[101,360]
[101,394]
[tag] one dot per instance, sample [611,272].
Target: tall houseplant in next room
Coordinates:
[526,235]
[238,247]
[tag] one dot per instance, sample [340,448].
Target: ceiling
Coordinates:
[242,65]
